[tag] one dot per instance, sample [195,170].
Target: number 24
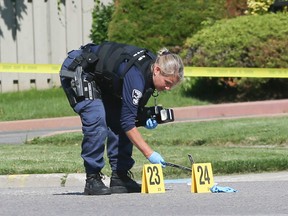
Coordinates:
[204,175]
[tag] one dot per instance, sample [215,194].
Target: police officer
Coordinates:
[108,85]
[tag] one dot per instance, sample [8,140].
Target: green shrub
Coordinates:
[246,41]
[154,24]
[228,43]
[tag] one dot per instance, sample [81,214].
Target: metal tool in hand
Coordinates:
[180,166]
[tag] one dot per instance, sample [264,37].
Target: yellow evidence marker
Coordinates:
[202,178]
[152,179]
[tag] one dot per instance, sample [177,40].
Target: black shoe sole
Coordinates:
[91,192]
[121,189]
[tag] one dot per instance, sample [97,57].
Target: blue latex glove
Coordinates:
[219,189]
[151,123]
[156,158]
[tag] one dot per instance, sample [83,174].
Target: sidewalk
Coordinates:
[232,110]
[190,113]
[17,132]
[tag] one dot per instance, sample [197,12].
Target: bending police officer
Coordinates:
[108,85]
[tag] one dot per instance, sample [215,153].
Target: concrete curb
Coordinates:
[45,180]
[78,179]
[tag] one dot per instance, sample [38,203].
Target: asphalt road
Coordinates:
[260,194]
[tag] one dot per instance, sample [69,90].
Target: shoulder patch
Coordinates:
[136,95]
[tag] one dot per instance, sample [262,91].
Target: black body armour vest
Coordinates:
[111,55]
[103,66]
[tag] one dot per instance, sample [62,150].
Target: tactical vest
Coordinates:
[103,65]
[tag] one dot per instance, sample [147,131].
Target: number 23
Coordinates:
[154,172]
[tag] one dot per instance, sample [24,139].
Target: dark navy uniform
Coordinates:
[113,110]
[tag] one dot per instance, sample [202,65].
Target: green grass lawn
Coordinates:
[231,146]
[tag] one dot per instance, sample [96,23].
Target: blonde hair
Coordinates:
[171,64]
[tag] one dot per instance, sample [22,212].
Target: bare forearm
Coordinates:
[136,138]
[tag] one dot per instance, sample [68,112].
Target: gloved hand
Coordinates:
[151,123]
[156,158]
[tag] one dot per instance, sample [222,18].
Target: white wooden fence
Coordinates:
[37,32]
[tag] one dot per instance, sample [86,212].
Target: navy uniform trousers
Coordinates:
[101,125]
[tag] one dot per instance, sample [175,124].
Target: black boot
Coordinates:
[95,186]
[121,182]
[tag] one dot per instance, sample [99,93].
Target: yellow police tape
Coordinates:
[236,72]
[189,71]
[29,68]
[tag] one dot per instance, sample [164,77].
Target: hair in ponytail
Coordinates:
[171,64]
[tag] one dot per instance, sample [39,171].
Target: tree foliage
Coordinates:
[258,6]
[102,15]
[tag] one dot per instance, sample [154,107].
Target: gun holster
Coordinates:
[81,88]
